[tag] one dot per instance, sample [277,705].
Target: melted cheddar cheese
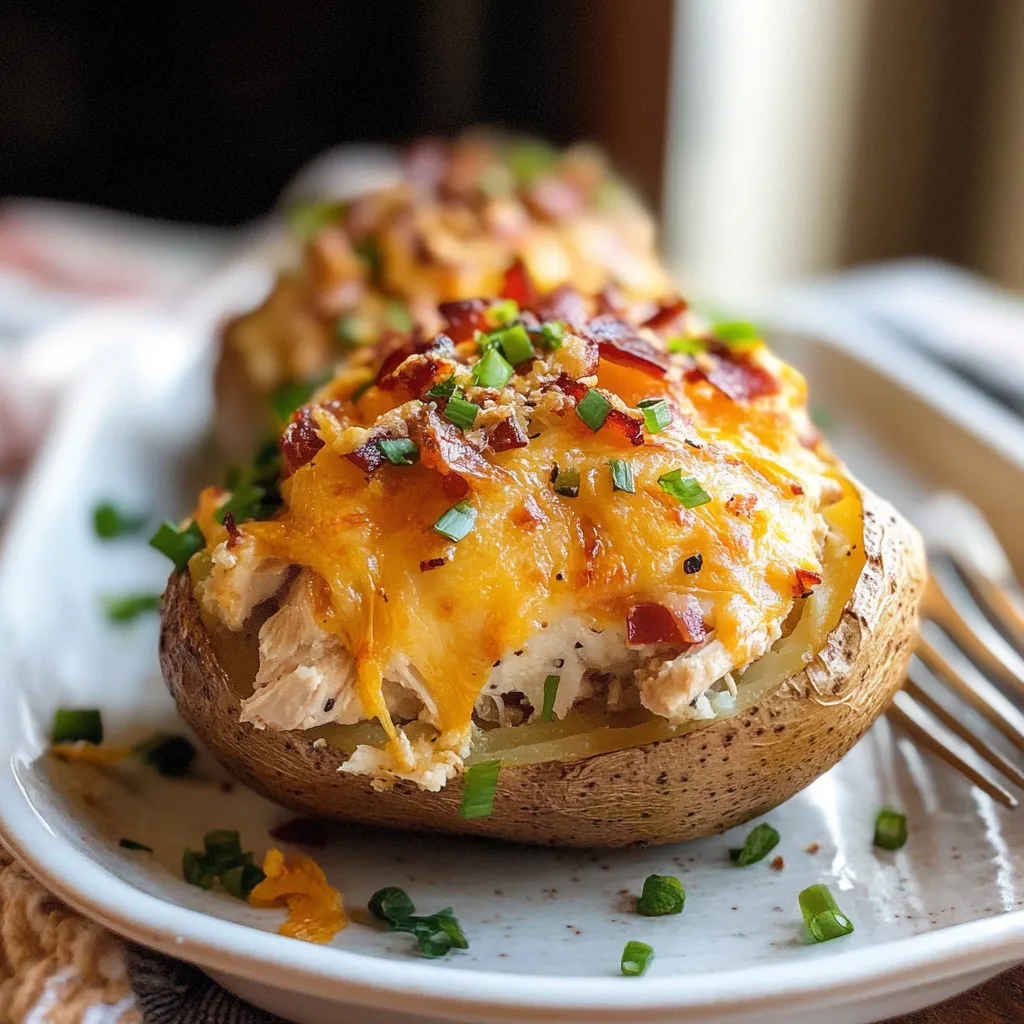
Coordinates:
[393,591]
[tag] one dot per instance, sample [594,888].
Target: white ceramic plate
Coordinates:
[546,928]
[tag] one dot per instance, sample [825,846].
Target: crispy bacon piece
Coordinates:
[797,489]
[667,317]
[464,317]
[631,429]
[300,441]
[431,563]
[565,304]
[736,375]
[573,388]
[437,349]
[418,373]
[806,581]
[518,286]
[690,619]
[611,300]
[506,436]
[620,342]
[454,486]
[369,458]
[651,623]
[444,447]
[232,527]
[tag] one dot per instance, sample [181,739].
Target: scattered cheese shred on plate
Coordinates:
[90,753]
[315,910]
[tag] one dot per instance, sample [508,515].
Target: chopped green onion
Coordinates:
[738,332]
[246,502]
[222,858]
[369,250]
[223,841]
[685,488]
[241,879]
[109,521]
[622,476]
[686,346]
[503,311]
[194,870]
[457,521]
[593,408]
[127,607]
[307,219]
[290,396]
[890,829]
[130,844]
[397,316]
[348,332]
[822,916]
[553,333]
[479,784]
[399,451]
[391,904]
[657,414]
[492,370]
[461,412]
[635,958]
[761,841]
[443,390]
[178,545]
[567,483]
[550,693]
[73,724]
[169,755]
[514,343]
[663,894]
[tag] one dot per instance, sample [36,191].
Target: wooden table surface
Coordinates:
[999,1001]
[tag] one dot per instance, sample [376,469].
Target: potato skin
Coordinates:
[693,785]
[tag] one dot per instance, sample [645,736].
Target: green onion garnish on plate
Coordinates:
[178,545]
[128,607]
[110,522]
[399,451]
[461,412]
[822,916]
[479,784]
[550,693]
[131,844]
[436,934]
[170,755]
[761,841]
[222,858]
[685,488]
[890,829]
[514,343]
[492,370]
[457,521]
[391,904]
[73,724]
[657,414]
[567,483]
[593,408]
[636,956]
[622,476]
[662,894]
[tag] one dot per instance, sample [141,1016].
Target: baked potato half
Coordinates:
[613,561]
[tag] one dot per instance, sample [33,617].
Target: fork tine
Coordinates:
[909,717]
[938,607]
[982,695]
[976,743]
[995,600]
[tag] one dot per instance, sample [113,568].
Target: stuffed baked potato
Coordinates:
[613,563]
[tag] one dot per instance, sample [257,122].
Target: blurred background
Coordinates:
[778,138]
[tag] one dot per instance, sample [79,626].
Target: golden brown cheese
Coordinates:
[535,556]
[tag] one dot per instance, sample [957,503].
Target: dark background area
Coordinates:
[202,112]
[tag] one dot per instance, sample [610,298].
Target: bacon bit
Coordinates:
[454,487]
[611,300]
[573,388]
[620,342]
[431,563]
[736,375]
[90,753]
[444,447]
[303,831]
[315,910]
[440,345]
[300,441]
[518,286]
[368,457]
[565,304]
[506,436]
[667,317]
[806,581]
[529,515]
[796,489]
[689,617]
[232,527]
[630,428]
[814,848]
[778,864]
[464,317]
[741,504]
[651,623]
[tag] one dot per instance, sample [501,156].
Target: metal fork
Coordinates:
[971,646]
